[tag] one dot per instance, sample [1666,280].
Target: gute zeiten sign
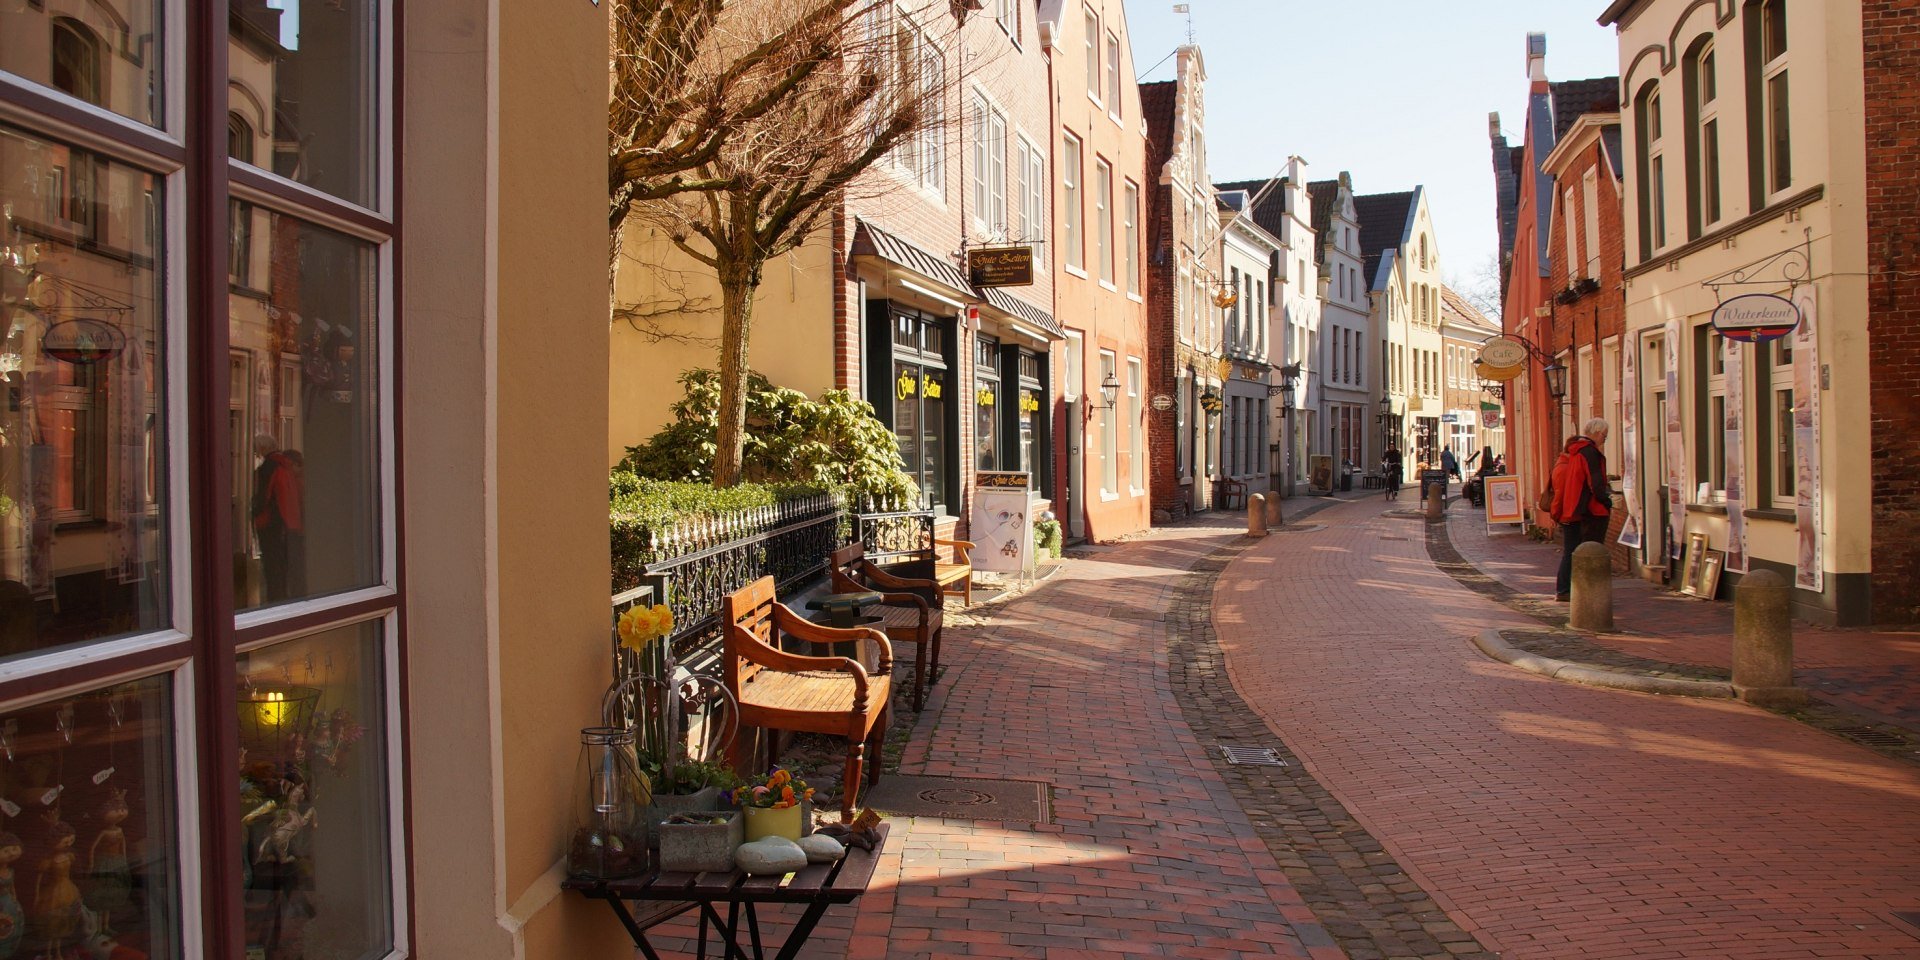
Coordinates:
[1000,267]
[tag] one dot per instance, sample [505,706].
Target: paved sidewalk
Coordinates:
[1556,820]
[1147,853]
[1873,673]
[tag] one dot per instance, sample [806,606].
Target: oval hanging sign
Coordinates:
[83,340]
[1756,318]
[1488,371]
[1503,352]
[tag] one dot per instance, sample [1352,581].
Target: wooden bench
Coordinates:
[955,578]
[910,610]
[1228,489]
[777,690]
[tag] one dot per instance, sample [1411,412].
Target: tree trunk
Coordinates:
[736,317]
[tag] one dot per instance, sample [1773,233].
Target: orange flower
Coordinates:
[786,795]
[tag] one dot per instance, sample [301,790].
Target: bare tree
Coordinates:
[780,174]
[1481,288]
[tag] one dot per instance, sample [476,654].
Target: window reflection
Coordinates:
[81,534]
[87,841]
[301,89]
[104,53]
[313,785]
[302,408]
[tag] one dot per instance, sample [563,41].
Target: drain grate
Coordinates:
[1872,737]
[1255,756]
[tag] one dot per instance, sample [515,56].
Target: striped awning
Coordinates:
[877,242]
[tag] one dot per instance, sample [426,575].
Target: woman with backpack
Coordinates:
[1579,498]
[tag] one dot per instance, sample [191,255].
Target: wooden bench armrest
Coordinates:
[800,628]
[960,548]
[749,647]
[881,578]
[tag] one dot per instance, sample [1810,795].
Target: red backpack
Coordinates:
[1567,492]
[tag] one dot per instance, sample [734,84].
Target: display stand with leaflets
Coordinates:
[1503,501]
[1002,522]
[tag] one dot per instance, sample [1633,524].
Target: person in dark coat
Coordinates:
[279,522]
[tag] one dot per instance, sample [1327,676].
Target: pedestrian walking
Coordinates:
[1391,465]
[1580,498]
[1450,463]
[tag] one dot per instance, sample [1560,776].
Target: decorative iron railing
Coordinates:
[891,529]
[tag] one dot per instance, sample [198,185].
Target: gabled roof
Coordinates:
[1571,98]
[1455,308]
[1383,224]
[1271,213]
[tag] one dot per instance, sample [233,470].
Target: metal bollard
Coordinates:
[1436,501]
[1763,641]
[1274,518]
[1257,515]
[1592,592]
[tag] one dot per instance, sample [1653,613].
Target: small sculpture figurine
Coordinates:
[13,919]
[56,901]
[109,878]
[288,822]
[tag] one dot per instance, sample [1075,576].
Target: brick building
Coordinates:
[1890,31]
[1183,324]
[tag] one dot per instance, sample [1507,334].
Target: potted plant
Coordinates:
[700,841]
[774,806]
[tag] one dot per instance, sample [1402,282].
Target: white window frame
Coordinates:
[1092,44]
[1771,70]
[1590,216]
[989,167]
[1131,214]
[1136,429]
[1103,219]
[1706,133]
[1570,239]
[1033,194]
[1073,208]
[1775,363]
[1109,436]
[1711,456]
[1076,361]
[1113,76]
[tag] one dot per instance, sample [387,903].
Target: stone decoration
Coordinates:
[821,848]
[770,856]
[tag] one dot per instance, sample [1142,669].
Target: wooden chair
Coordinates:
[955,578]
[778,690]
[909,612]
[1229,489]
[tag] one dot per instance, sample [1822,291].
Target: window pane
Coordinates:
[1779,140]
[986,416]
[82,535]
[315,869]
[306,447]
[88,849]
[302,77]
[104,54]
[1783,466]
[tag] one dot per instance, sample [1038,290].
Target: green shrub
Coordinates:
[638,506]
[1047,537]
[834,441]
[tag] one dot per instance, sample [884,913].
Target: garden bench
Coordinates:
[777,690]
[909,611]
[1229,489]
[955,578]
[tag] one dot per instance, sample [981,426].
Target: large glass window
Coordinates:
[1109,439]
[986,404]
[1103,218]
[1031,369]
[306,477]
[920,387]
[1710,410]
[305,75]
[989,167]
[1071,219]
[1131,236]
[316,865]
[1136,426]
[82,536]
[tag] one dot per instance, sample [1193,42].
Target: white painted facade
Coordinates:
[1349,395]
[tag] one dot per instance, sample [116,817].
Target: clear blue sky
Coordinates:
[1395,91]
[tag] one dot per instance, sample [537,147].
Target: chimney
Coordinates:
[1493,126]
[1536,56]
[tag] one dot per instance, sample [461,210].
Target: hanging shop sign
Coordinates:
[1000,267]
[1756,317]
[1497,374]
[1489,415]
[83,340]
[1161,402]
[1503,352]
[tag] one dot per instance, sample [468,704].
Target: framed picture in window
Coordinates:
[1694,559]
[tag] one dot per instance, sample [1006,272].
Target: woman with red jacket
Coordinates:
[1581,498]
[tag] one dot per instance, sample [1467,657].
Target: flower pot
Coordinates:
[695,847]
[771,822]
[665,805]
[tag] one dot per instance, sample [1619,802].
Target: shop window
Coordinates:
[311,510]
[1109,439]
[316,867]
[920,395]
[1710,411]
[89,845]
[986,404]
[1773,416]
[1031,375]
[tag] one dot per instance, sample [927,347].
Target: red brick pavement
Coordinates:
[1872,672]
[1559,820]
[1148,854]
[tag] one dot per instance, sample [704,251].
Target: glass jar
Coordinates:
[609,832]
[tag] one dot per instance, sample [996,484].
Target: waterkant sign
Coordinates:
[1000,267]
[1756,318]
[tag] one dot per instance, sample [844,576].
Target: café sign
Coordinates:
[1756,318]
[1000,267]
[1503,352]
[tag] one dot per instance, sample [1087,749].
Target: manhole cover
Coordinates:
[1401,539]
[1255,756]
[956,796]
[1872,737]
[959,798]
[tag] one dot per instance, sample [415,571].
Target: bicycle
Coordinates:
[1391,474]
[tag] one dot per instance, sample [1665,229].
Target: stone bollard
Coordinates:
[1257,515]
[1436,501]
[1763,641]
[1274,518]
[1592,593]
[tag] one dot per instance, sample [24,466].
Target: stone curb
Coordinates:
[1494,645]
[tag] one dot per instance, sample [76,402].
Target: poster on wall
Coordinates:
[1630,444]
[1734,429]
[1503,501]
[1806,440]
[1002,522]
[1676,445]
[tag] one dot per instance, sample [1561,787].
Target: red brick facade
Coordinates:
[1891,32]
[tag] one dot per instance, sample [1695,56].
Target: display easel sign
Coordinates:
[1002,527]
[1503,501]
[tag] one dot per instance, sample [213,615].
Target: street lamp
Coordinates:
[1110,390]
[1289,374]
[1386,409]
[1556,374]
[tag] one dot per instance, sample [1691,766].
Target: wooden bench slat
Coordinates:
[714,883]
[669,883]
[810,879]
[761,885]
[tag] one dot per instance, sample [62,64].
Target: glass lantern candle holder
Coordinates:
[609,838]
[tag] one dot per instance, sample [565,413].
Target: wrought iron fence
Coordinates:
[891,530]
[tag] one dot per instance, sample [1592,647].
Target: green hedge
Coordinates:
[637,507]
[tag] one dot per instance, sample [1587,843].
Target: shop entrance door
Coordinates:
[1076,475]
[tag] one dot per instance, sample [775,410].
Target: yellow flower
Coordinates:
[640,626]
[662,620]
